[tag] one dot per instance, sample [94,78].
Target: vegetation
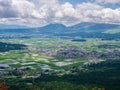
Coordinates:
[7,47]
[56,57]
[101,76]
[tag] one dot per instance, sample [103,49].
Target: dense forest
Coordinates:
[7,46]
[101,76]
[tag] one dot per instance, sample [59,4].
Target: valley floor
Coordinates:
[60,64]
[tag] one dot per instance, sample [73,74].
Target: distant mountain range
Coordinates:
[8,26]
[85,30]
[81,27]
[94,26]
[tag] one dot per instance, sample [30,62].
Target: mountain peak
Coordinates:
[55,25]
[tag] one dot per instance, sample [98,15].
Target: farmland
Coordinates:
[79,60]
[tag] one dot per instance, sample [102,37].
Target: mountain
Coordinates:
[48,29]
[17,30]
[60,28]
[84,30]
[93,27]
[81,27]
[4,26]
[52,28]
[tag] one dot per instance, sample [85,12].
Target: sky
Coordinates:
[68,12]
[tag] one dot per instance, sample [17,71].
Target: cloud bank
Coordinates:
[108,1]
[42,12]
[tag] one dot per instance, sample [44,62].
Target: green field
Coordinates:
[34,61]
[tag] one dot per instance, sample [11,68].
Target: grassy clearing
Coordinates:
[113,31]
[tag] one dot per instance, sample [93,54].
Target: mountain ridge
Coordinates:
[85,30]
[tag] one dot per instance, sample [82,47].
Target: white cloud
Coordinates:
[41,12]
[41,2]
[11,10]
[95,13]
[108,1]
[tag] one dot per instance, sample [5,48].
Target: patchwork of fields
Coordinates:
[39,57]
